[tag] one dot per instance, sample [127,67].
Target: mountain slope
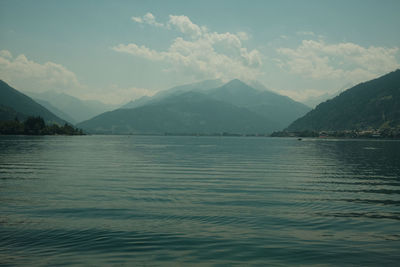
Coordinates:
[15,103]
[79,110]
[55,110]
[187,113]
[370,104]
[9,114]
[272,106]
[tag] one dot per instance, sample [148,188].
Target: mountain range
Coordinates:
[14,104]
[372,104]
[234,107]
[211,107]
[70,108]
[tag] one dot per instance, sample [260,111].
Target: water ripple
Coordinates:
[146,200]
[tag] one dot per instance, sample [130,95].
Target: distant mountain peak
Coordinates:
[235,83]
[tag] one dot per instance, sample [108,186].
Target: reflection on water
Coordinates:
[131,200]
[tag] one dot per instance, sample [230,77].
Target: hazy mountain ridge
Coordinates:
[55,110]
[187,113]
[280,109]
[236,108]
[75,108]
[18,105]
[371,104]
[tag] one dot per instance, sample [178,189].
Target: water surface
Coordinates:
[139,200]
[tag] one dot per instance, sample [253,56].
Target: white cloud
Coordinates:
[345,62]
[202,53]
[137,19]
[186,26]
[5,54]
[141,51]
[27,74]
[148,19]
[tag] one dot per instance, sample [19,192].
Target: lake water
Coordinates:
[140,200]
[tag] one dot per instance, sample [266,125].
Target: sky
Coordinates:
[116,51]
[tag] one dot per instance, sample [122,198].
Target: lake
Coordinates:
[148,200]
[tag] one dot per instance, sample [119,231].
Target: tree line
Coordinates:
[36,126]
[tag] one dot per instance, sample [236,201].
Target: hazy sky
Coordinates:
[115,51]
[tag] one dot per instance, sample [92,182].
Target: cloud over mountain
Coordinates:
[20,71]
[348,62]
[199,52]
[32,76]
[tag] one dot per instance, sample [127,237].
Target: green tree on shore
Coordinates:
[36,126]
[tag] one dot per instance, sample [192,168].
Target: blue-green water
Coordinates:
[132,200]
